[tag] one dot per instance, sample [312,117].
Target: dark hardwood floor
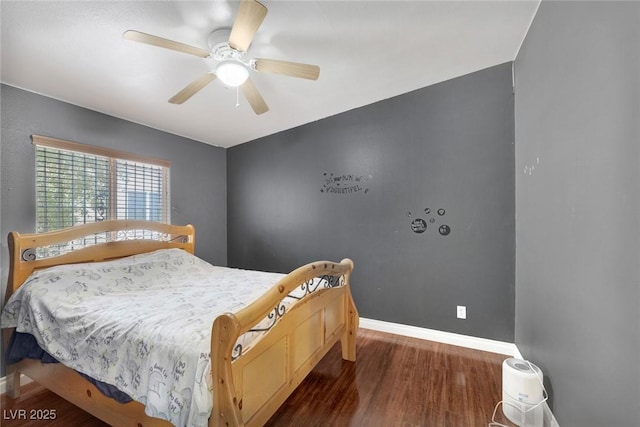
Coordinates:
[396,382]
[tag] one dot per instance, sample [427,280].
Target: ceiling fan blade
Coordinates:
[293,69]
[254,98]
[137,36]
[250,15]
[192,88]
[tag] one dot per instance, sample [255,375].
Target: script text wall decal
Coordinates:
[333,183]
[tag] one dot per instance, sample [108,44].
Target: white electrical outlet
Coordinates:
[462,312]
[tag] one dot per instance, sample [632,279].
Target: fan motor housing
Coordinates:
[218,36]
[218,42]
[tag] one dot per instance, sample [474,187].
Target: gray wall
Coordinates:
[578,208]
[344,187]
[198,171]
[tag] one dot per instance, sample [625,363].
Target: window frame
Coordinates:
[113,157]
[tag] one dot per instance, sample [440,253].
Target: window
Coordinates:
[79,184]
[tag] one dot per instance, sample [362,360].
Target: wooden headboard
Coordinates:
[112,239]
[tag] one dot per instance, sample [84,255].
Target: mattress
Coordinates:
[141,323]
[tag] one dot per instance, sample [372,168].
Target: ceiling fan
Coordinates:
[228,46]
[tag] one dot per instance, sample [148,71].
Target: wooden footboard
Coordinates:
[249,384]
[249,389]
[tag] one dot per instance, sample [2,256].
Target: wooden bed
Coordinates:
[248,387]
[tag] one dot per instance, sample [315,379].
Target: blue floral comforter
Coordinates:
[141,323]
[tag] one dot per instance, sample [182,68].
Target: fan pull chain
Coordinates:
[237,96]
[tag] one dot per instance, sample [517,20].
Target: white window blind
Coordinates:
[78,184]
[71,188]
[139,191]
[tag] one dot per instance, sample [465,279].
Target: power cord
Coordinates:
[495,423]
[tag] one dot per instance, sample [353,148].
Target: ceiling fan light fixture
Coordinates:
[232,73]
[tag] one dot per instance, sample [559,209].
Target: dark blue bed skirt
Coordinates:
[24,346]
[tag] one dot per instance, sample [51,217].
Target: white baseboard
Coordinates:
[3,383]
[467,341]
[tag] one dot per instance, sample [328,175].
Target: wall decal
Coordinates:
[418,225]
[444,230]
[344,184]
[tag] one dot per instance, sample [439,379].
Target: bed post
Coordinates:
[348,339]
[14,258]
[226,408]
[12,377]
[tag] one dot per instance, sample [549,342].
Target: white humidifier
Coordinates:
[522,393]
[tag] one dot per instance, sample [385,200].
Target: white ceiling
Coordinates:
[367,51]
